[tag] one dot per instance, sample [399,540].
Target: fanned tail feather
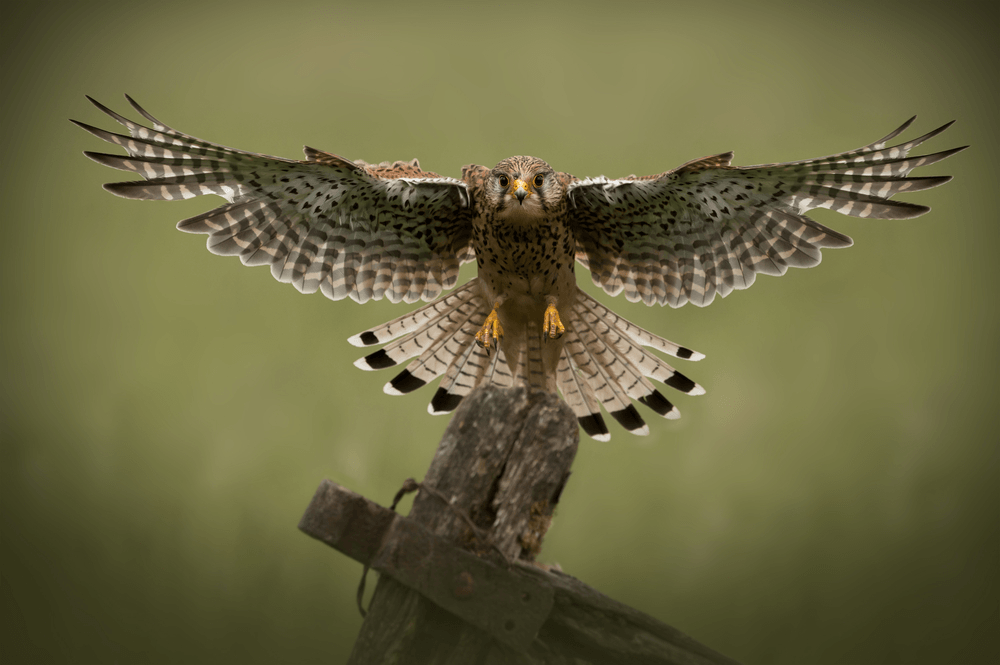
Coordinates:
[635,333]
[604,360]
[532,366]
[464,374]
[416,319]
[498,372]
[437,333]
[440,350]
[637,363]
[579,395]
[441,338]
[596,365]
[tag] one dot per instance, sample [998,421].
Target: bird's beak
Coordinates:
[521,190]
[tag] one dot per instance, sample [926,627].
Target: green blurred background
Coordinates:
[167,414]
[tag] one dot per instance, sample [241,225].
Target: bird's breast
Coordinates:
[526,264]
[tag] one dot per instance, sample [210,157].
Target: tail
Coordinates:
[602,361]
[442,335]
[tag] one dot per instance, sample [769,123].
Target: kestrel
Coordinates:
[393,230]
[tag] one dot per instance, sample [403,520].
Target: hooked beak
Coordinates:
[521,190]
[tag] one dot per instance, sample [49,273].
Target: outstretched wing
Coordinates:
[707,228]
[326,223]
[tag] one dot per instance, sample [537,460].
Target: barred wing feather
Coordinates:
[344,228]
[706,228]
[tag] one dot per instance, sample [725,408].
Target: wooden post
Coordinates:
[453,592]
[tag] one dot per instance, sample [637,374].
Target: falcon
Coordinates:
[392,230]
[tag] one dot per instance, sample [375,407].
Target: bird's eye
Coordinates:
[538,180]
[504,181]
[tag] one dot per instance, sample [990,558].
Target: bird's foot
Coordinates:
[492,332]
[552,327]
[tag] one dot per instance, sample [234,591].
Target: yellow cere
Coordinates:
[520,184]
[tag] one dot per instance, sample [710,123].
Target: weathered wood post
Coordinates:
[457,583]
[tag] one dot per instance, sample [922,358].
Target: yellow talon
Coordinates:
[552,326]
[491,332]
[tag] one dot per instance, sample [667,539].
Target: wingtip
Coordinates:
[905,125]
[141,111]
[104,108]
[903,210]
[95,131]
[119,189]
[893,134]
[104,159]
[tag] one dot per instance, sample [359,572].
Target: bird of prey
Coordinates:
[393,230]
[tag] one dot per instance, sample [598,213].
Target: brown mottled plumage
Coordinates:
[392,230]
[525,253]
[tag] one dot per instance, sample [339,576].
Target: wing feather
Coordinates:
[707,229]
[348,229]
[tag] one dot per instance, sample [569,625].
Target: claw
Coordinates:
[492,332]
[552,326]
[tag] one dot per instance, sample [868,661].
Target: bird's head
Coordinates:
[524,188]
